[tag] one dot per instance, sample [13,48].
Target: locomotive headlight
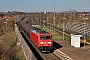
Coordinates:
[49,42]
[41,42]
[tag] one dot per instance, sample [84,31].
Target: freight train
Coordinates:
[41,39]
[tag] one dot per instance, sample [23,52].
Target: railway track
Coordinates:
[56,55]
[58,30]
[51,56]
[44,56]
[61,55]
[47,56]
[68,35]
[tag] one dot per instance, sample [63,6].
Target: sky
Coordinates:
[44,5]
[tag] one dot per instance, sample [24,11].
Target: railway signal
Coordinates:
[84,31]
[84,34]
[84,40]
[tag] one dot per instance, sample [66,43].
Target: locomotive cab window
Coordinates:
[44,37]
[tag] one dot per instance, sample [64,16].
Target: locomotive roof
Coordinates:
[37,30]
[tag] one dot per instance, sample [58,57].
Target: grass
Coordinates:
[8,44]
[56,36]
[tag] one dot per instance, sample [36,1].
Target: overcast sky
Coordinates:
[44,5]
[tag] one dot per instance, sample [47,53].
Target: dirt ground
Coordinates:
[72,52]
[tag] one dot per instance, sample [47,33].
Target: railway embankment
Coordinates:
[26,49]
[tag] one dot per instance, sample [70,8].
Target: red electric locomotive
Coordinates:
[42,39]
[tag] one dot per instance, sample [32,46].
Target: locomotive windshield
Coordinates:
[44,37]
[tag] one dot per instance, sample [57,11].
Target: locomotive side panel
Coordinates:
[34,37]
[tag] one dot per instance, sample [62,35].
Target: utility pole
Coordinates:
[40,20]
[47,20]
[85,31]
[54,17]
[84,35]
[63,27]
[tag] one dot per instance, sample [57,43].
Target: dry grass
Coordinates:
[8,44]
[56,36]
